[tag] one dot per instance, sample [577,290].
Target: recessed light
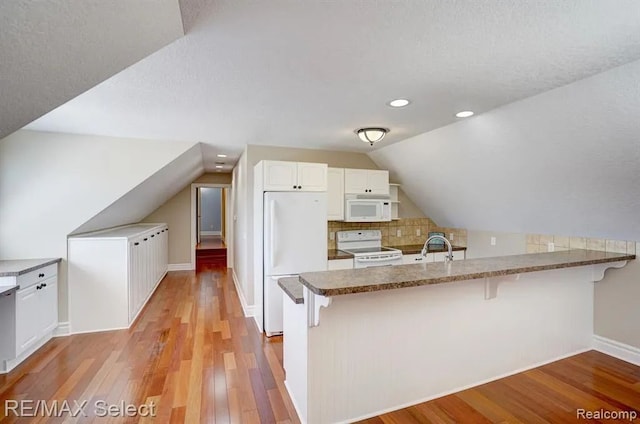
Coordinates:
[399,103]
[464,114]
[218,166]
[222,156]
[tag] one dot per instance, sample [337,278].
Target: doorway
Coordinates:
[209,218]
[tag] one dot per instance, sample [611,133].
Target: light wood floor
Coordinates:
[195,356]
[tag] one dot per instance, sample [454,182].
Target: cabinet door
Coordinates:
[335,194]
[355,181]
[312,176]
[27,317]
[335,264]
[457,255]
[413,259]
[280,176]
[48,297]
[378,182]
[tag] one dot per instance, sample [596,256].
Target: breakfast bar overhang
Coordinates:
[358,343]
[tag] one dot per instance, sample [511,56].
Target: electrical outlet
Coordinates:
[418,232]
[332,235]
[551,247]
[450,236]
[493,241]
[398,233]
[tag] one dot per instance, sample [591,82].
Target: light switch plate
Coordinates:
[398,233]
[332,235]
[551,247]
[493,241]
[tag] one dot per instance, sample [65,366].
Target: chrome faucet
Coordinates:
[425,248]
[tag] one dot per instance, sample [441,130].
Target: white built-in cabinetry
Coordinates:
[393,198]
[366,181]
[28,314]
[112,274]
[294,176]
[335,264]
[335,194]
[431,257]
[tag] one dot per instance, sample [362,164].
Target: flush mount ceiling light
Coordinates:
[464,114]
[399,103]
[222,156]
[218,166]
[372,135]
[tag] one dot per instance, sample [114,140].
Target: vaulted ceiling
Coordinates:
[307,74]
[51,51]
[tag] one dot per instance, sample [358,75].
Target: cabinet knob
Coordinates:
[153,235]
[40,275]
[145,239]
[136,243]
[295,187]
[38,287]
[44,284]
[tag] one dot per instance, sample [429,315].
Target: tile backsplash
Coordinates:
[400,232]
[538,243]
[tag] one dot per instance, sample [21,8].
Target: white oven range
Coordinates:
[366,248]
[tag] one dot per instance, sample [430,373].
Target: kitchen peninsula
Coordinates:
[365,341]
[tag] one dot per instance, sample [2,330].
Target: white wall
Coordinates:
[52,183]
[563,162]
[241,221]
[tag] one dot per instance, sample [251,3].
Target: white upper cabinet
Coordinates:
[294,176]
[366,181]
[312,176]
[335,194]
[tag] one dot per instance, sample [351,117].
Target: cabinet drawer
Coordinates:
[35,276]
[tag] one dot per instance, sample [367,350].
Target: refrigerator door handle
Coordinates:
[272,239]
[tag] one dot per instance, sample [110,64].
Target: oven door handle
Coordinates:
[383,259]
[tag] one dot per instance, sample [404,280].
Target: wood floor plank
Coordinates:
[193,353]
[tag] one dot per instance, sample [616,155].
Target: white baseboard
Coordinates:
[248,310]
[468,386]
[302,419]
[616,349]
[210,233]
[180,267]
[63,329]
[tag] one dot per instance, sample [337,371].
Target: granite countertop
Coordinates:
[334,283]
[293,288]
[13,268]
[338,254]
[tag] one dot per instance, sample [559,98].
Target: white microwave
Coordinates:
[363,208]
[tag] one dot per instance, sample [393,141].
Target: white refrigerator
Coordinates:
[295,241]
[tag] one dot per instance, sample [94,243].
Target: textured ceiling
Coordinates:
[307,74]
[51,51]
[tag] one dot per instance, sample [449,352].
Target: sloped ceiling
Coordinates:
[564,162]
[308,73]
[51,51]
[150,193]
